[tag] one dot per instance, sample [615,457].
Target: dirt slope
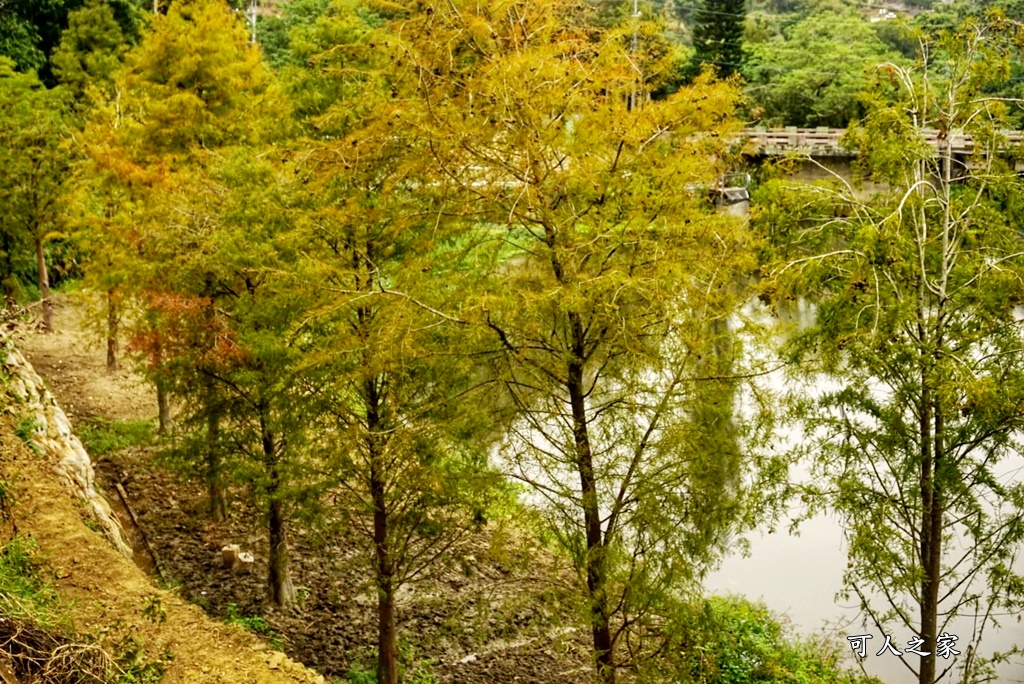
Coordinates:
[108,592]
[106,588]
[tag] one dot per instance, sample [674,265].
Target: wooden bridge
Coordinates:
[824,142]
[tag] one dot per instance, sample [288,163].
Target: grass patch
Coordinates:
[411,668]
[25,592]
[36,635]
[101,436]
[255,624]
[26,430]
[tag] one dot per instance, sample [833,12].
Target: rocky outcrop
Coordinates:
[45,426]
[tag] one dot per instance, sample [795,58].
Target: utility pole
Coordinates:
[636,45]
[252,19]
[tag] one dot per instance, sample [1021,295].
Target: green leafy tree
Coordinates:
[34,162]
[814,74]
[602,275]
[195,83]
[30,30]
[275,32]
[91,49]
[197,88]
[916,293]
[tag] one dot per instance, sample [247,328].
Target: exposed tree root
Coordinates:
[35,655]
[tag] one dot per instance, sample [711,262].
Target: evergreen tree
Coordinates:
[33,168]
[718,35]
[917,330]
[603,288]
[91,50]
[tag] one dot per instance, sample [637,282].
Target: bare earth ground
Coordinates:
[503,614]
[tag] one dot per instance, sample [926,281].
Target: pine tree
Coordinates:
[91,49]
[718,35]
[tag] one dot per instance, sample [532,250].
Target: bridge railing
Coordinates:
[825,142]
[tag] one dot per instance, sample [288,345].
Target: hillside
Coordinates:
[106,594]
[501,614]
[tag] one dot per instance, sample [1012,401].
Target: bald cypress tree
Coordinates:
[718,36]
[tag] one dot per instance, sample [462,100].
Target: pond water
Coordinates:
[799,576]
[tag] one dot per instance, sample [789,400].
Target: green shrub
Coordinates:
[729,640]
[357,676]
[255,624]
[134,665]
[103,436]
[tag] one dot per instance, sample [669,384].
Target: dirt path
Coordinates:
[73,361]
[108,596]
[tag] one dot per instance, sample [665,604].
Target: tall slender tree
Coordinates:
[917,294]
[603,273]
[402,440]
[35,164]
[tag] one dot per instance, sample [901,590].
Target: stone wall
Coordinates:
[46,427]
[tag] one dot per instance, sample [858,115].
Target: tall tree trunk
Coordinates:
[162,403]
[596,577]
[113,318]
[387,630]
[214,476]
[44,286]
[387,637]
[931,537]
[163,410]
[279,580]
